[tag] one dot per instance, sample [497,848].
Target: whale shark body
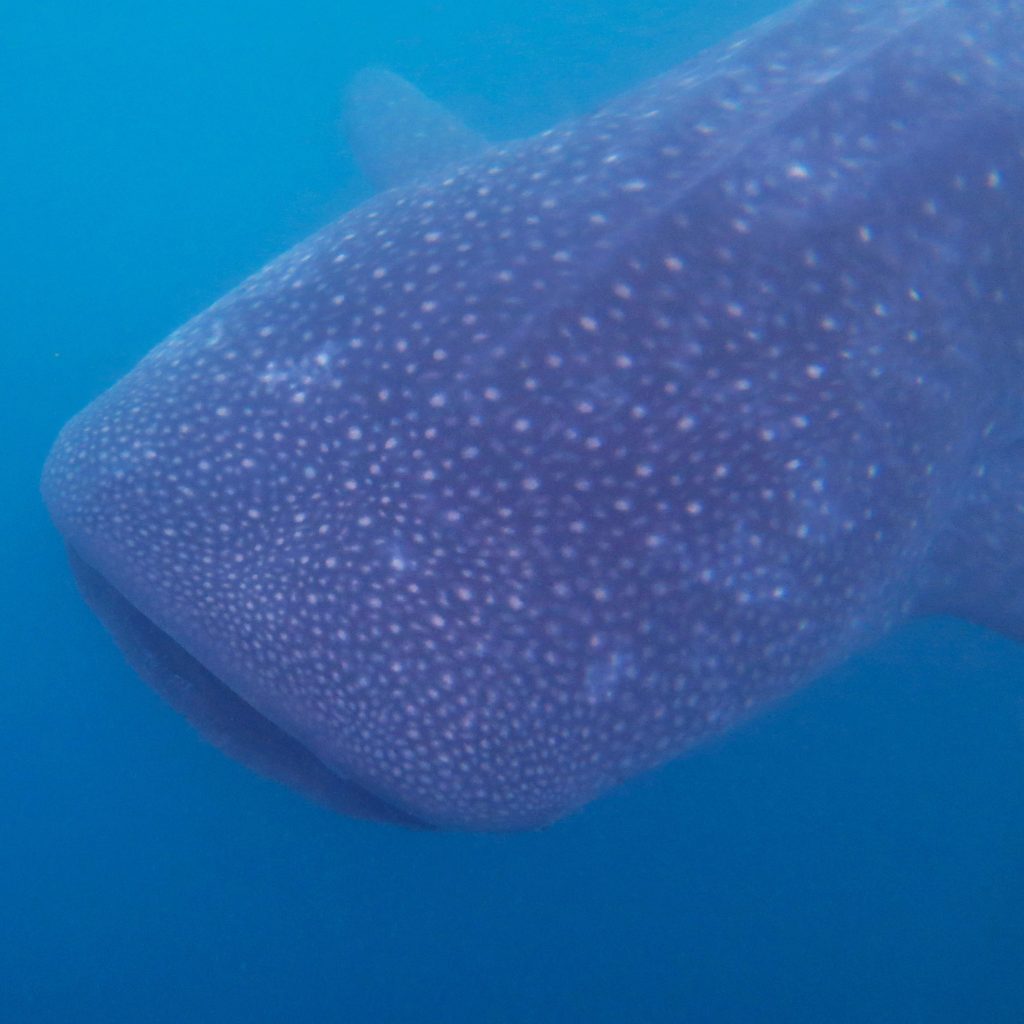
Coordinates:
[539,468]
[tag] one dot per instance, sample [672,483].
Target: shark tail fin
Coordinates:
[397,134]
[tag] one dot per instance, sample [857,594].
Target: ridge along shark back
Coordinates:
[561,456]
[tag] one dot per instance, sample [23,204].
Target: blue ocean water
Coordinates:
[855,855]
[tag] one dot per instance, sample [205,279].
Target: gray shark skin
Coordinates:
[521,479]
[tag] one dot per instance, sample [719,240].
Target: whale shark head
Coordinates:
[543,466]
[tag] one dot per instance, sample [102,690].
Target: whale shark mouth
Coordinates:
[217,712]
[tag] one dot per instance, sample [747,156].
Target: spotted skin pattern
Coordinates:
[520,480]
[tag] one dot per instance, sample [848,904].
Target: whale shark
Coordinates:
[558,457]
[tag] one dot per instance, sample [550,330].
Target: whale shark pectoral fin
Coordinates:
[397,134]
[976,570]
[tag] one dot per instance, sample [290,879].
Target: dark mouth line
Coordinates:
[217,712]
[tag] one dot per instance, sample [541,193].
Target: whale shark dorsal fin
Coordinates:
[397,134]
